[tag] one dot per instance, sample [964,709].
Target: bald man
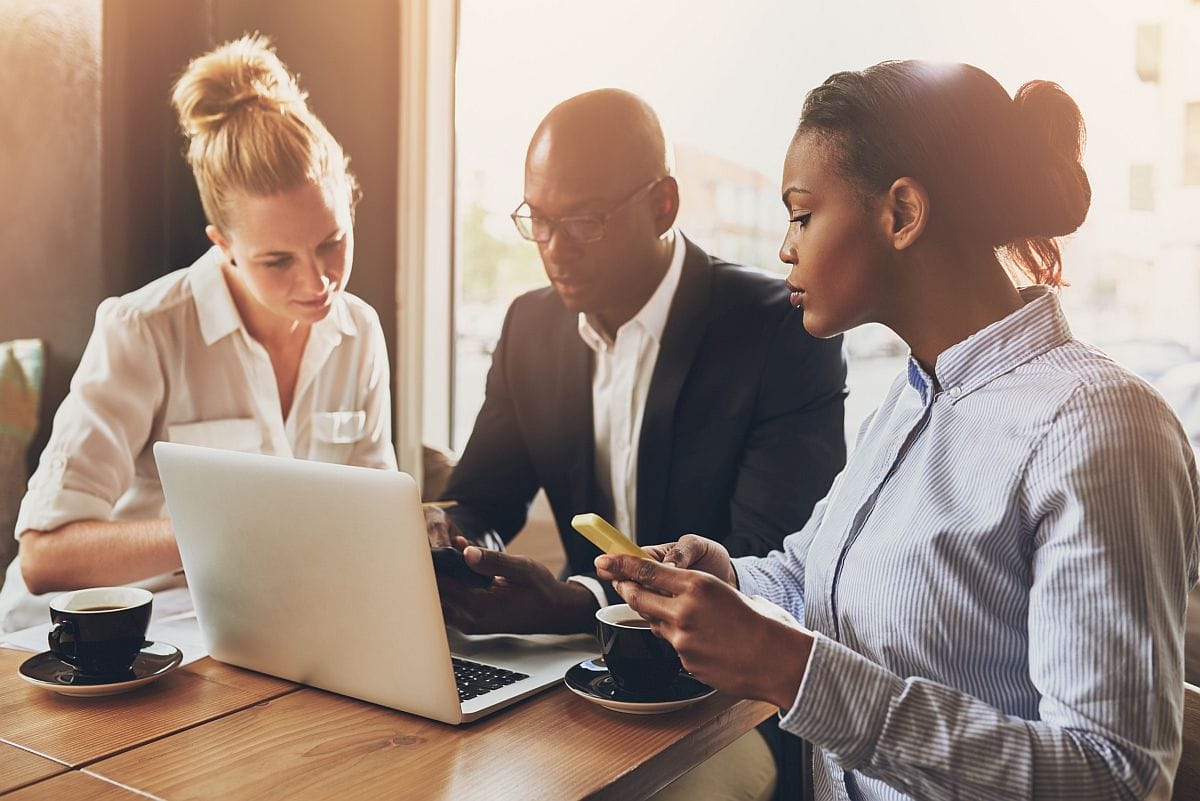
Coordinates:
[663,388]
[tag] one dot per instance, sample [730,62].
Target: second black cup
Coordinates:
[640,662]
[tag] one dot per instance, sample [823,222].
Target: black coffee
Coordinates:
[98,608]
[636,623]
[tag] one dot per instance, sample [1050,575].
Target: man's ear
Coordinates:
[908,209]
[220,241]
[665,197]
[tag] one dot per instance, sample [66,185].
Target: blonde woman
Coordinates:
[256,346]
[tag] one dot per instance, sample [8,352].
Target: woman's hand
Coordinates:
[747,647]
[696,553]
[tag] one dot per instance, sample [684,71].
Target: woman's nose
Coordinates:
[787,252]
[315,277]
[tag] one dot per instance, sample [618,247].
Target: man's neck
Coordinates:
[609,321]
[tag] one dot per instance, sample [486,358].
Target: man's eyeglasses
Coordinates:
[583,229]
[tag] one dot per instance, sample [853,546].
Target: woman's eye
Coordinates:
[800,219]
[278,264]
[330,244]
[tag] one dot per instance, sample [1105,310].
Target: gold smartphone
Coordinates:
[604,536]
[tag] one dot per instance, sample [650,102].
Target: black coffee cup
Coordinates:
[640,662]
[99,631]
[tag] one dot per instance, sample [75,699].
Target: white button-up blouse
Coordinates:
[173,361]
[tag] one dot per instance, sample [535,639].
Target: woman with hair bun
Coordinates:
[256,346]
[991,595]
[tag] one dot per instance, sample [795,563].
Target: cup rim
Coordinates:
[617,609]
[61,602]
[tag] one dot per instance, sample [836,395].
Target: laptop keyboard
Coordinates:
[474,678]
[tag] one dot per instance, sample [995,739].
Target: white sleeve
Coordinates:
[101,426]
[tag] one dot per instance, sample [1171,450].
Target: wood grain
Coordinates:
[313,744]
[19,767]
[76,731]
[259,684]
[74,786]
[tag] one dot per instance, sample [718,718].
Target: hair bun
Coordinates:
[242,74]
[1051,124]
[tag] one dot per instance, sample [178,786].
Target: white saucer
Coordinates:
[590,679]
[45,670]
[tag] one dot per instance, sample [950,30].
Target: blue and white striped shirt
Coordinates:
[997,580]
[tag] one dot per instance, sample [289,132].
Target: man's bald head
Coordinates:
[605,133]
[602,156]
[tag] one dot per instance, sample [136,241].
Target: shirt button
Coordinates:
[58,462]
[955,392]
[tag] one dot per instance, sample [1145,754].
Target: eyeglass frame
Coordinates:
[554,223]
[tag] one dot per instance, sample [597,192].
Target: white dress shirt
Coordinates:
[173,361]
[624,366]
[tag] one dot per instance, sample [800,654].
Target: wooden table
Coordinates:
[213,731]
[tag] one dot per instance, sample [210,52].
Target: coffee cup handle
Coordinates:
[55,638]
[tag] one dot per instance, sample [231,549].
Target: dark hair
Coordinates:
[1002,172]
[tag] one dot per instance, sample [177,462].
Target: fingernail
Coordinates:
[602,562]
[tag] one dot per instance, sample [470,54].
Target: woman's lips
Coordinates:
[796,297]
[315,303]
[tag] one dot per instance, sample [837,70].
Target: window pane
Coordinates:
[728,81]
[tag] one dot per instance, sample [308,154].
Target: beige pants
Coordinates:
[742,771]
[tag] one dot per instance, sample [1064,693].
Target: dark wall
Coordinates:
[51,260]
[97,199]
[348,58]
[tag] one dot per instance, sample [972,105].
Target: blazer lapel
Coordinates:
[685,327]
[574,408]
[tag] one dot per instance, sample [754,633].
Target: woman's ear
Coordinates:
[215,237]
[908,207]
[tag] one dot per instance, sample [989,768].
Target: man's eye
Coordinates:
[800,219]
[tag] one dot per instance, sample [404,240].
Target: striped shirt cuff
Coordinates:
[747,584]
[842,703]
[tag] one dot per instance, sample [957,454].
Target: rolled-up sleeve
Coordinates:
[101,426]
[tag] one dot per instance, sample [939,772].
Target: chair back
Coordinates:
[1187,778]
[21,362]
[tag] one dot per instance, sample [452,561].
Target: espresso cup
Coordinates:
[99,631]
[639,661]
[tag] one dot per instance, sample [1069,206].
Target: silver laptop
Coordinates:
[321,574]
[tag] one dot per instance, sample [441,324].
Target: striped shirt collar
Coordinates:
[999,348]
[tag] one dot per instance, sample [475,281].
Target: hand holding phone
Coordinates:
[605,536]
[451,563]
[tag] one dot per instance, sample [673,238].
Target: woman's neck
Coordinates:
[276,334]
[949,300]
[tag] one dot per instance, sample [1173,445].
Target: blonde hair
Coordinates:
[250,129]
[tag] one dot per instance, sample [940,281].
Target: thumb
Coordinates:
[496,563]
[684,553]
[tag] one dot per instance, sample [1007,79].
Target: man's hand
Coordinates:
[696,553]
[525,598]
[439,528]
[743,646]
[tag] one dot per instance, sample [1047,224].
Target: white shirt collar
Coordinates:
[652,317]
[219,316]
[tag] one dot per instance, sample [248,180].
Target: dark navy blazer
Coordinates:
[741,435]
